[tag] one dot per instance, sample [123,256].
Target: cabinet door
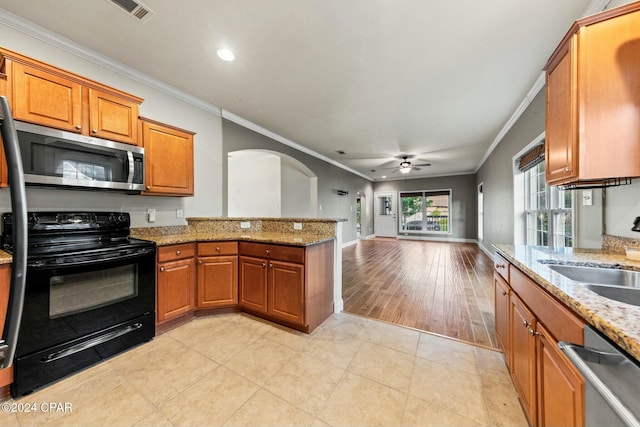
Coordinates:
[560,386]
[46,99]
[217,281]
[523,356]
[501,299]
[176,286]
[112,117]
[253,284]
[286,291]
[561,141]
[169,160]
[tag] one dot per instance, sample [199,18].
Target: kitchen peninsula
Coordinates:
[287,270]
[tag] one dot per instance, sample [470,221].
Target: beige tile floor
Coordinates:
[236,370]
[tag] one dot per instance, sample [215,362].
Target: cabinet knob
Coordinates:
[526,324]
[94,130]
[78,127]
[501,266]
[264,264]
[178,252]
[161,268]
[267,251]
[270,265]
[148,187]
[217,248]
[199,261]
[533,333]
[504,293]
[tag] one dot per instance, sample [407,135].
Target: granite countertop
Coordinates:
[292,239]
[618,321]
[5,258]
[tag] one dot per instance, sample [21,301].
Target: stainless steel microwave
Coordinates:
[59,158]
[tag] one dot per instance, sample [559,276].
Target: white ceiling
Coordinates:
[375,78]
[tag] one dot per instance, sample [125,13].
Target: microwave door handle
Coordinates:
[131,167]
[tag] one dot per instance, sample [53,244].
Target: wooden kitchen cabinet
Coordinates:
[168,159]
[502,312]
[592,120]
[550,389]
[523,356]
[217,274]
[49,96]
[176,281]
[288,284]
[560,386]
[6,374]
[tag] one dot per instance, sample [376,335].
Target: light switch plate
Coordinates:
[179,213]
[297,226]
[245,224]
[151,215]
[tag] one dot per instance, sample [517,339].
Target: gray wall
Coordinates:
[330,178]
[497,174]
[463,194]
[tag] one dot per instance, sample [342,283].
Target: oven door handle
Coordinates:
[91,343]
[88,259]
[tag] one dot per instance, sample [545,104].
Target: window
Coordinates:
[425,211]
[548,211]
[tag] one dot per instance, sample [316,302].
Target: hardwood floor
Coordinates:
[444,288]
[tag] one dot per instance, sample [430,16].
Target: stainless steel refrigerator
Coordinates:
[9,337]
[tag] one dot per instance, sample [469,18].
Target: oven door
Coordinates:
[76,299]
[81,312]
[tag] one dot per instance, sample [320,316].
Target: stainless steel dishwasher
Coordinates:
[612,381]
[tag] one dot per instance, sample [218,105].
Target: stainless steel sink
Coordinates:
[613,283]
[604,276]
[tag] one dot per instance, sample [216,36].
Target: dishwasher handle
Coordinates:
[578,354]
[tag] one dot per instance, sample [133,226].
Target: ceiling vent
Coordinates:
[134,9]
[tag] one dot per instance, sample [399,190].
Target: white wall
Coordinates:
[254,185]
[158,105]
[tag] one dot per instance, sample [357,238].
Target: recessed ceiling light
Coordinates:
[226,55]
[384,176]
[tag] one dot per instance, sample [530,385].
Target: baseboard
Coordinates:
[352,242]
[485,250]
[370,236]
[438,239]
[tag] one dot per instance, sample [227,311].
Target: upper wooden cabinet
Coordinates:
[49,96]
[593,100]
[169,159]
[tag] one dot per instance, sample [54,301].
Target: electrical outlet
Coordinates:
[297,226]
[179,213]
[245,224]
[587,197]
[151,215]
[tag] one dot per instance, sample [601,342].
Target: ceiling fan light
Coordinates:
[405,170]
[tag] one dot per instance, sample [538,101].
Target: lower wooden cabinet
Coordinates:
[560,386]
[550,389]
[217,274]
[176,281]
[289,284]
[523,356]
[502,310]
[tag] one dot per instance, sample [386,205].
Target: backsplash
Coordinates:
[616,244]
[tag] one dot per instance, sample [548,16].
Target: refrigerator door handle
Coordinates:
[19,209]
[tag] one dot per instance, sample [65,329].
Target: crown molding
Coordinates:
[281,139]
[36,31]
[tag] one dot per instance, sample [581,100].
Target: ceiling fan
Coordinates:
[406,166]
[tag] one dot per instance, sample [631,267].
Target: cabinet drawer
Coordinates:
[284,253]
[501,266]
[175,252]
[559,320]
[217,248]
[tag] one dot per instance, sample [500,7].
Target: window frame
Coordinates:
[424,216]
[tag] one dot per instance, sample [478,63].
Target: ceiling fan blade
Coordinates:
[416,168]
[423,164]
[396,170]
